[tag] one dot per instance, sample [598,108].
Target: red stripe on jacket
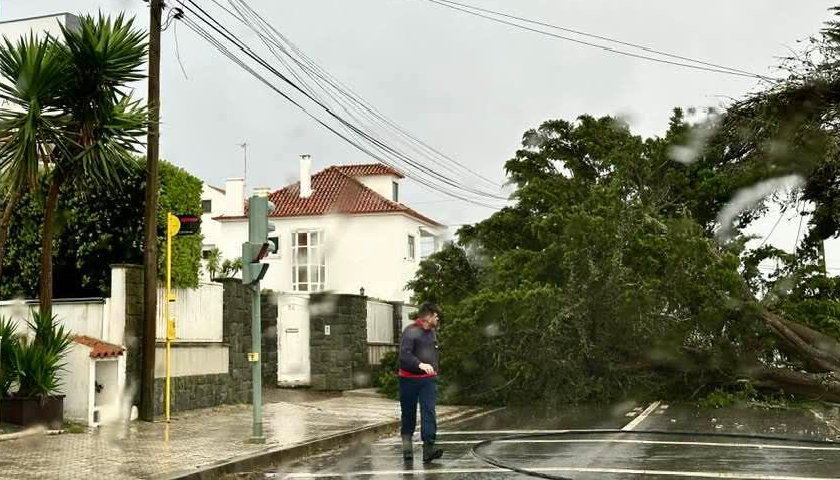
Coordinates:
[403,374]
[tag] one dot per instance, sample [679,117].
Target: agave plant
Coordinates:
[8,346]
[39,361]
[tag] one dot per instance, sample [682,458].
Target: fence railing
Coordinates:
[197,313]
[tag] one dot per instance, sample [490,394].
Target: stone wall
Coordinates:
[133,329]
[268,315]
[200,391]
[339,361]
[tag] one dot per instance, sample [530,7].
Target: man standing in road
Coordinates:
[418,381]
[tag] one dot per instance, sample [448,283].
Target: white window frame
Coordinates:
[411,247]
[315,266]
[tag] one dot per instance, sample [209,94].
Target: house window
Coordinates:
[412,247]
[308,265]
[206,206]
[395,189]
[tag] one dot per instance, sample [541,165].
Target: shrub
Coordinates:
[386,381]
[8,340]
[36,363]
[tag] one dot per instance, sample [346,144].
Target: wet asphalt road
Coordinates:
[584,456]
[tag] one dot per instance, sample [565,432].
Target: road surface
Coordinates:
[623,455]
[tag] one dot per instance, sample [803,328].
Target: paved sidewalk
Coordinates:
[194,440]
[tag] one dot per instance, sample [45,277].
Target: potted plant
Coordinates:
[8,339]
[35,364]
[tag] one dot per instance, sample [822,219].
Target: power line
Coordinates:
[605,38]
[230,55]
[781,215]
[224,31]
[272,38]
[220,29]
[725,70]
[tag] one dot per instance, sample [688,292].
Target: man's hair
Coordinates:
[427,309]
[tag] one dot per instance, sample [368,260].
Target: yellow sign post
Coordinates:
[173,226]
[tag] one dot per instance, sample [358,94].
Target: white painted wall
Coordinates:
[362,251]
[14,29]
[82,318]
[76,384]
[381,184]
[197,313]
[209,228]
[209,359]
[234,204]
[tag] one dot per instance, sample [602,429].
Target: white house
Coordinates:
[342,229]
[45,24]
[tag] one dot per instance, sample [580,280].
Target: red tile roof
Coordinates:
[369,170]
[98,348]
[335,191]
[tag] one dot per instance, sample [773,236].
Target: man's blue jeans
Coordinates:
[424,390]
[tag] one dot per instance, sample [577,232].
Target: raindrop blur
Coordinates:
[747,198]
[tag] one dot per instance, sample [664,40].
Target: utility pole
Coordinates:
[147,383]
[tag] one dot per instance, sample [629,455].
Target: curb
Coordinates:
[274,456]
[30,432]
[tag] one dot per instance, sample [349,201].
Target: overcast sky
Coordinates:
[467,86]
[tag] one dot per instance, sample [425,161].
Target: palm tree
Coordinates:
[214,261]
[98,126]
[30,74]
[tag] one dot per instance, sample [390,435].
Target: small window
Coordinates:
[412,247]
[206,206]
[396,191]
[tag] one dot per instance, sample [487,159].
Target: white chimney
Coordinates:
[305,176]
[235,197]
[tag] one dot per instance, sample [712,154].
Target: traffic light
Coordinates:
[259,245]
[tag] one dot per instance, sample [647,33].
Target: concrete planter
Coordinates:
[33,411]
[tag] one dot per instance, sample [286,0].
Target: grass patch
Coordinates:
[73,427]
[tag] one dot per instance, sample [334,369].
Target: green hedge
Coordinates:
[96,228]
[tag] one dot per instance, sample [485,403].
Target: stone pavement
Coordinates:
[193,439]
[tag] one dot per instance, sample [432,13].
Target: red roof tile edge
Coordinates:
[99,349]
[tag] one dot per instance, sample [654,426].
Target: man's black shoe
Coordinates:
[407,449]
[430,453]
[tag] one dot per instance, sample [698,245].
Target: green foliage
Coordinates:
[73,427]
[445,276]
[8,343]
[615,274]
[180,193]
[37,363]
[387,382]
[230,268]
[743,393]
[214,262]
[98,227]
[598,284]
